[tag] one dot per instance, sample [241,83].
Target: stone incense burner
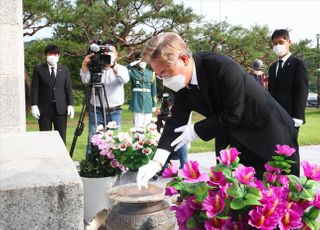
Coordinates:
[139,209]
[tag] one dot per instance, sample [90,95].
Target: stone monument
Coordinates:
[39,184]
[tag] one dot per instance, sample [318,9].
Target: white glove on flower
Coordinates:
[188,135]
[146,172]
[35,111]
[71,111]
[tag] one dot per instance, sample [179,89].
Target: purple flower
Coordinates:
[316,201]
[213,204]
[270,177]
[191,173]
[192,203]
[245,175]
[228,156]
[170,191]
[285,150]
[171,170]
[183,213]
[291,220]
[214,224]
[271,169]
[311,171]
[283,180]
[260,221]
[216,178]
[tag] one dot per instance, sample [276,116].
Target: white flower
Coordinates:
[138,144]
[99,128]
[125,138]
[152,127]
[147,151]
[112,125]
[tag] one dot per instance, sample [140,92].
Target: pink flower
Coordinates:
[183,213]
[171,170]
[258,220]
[147,151]
[228,156]
[270,177]
[285,150]
[216,178]
[245,175]
[114,163]
[107,152]
[291,220]
[170,191]
[122,147]
[271,169]
[214,224]
[213,204]
[191,173]
[311,171]
[283,180]
[193,203]
[316,201]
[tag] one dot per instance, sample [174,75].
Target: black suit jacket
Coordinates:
[45,89]
[233,104]
[290,88]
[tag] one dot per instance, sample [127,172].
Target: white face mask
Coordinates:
[52,60]
[175,82]
[257,72]
[280,50]
[142,64]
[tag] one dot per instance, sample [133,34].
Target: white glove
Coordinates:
[135,62]
[188,135]
[146,172]
[35,111]
[142,65]
[297,122]
[71,111]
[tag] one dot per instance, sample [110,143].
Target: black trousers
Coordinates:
[59,122]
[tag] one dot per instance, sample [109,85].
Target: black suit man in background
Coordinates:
[232,103]
[52,93]
[288,78]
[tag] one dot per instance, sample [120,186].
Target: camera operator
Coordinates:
[113,77]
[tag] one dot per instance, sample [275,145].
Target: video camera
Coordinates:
[165,111]
[99,60]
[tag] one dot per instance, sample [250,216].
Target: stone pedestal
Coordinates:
[39,185]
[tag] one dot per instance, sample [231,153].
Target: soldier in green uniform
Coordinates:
[144,93]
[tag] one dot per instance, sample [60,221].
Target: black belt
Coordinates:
[113,108]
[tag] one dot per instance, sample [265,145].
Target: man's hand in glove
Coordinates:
[35,111]
[147,171]
[188,135]
[71,111]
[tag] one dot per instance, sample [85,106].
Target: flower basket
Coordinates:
[230,197]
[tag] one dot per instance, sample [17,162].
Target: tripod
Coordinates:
[97,89]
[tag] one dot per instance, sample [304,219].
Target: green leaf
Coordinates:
[237,204]
[191,223]
[278,158]
[305,194]
[254,191]
[312,224]
[313,213]
[235,191]
[251,199]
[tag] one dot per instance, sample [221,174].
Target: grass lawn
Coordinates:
[309,133]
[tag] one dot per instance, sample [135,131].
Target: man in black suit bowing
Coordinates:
[288,78]
[52,93]
[232,103]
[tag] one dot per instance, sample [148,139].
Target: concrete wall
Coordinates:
[12,95]
[39,185]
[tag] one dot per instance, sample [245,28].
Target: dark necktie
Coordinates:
[280,69]
[52,75]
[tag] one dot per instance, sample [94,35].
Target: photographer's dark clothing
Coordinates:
[52,95]
[235,106]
